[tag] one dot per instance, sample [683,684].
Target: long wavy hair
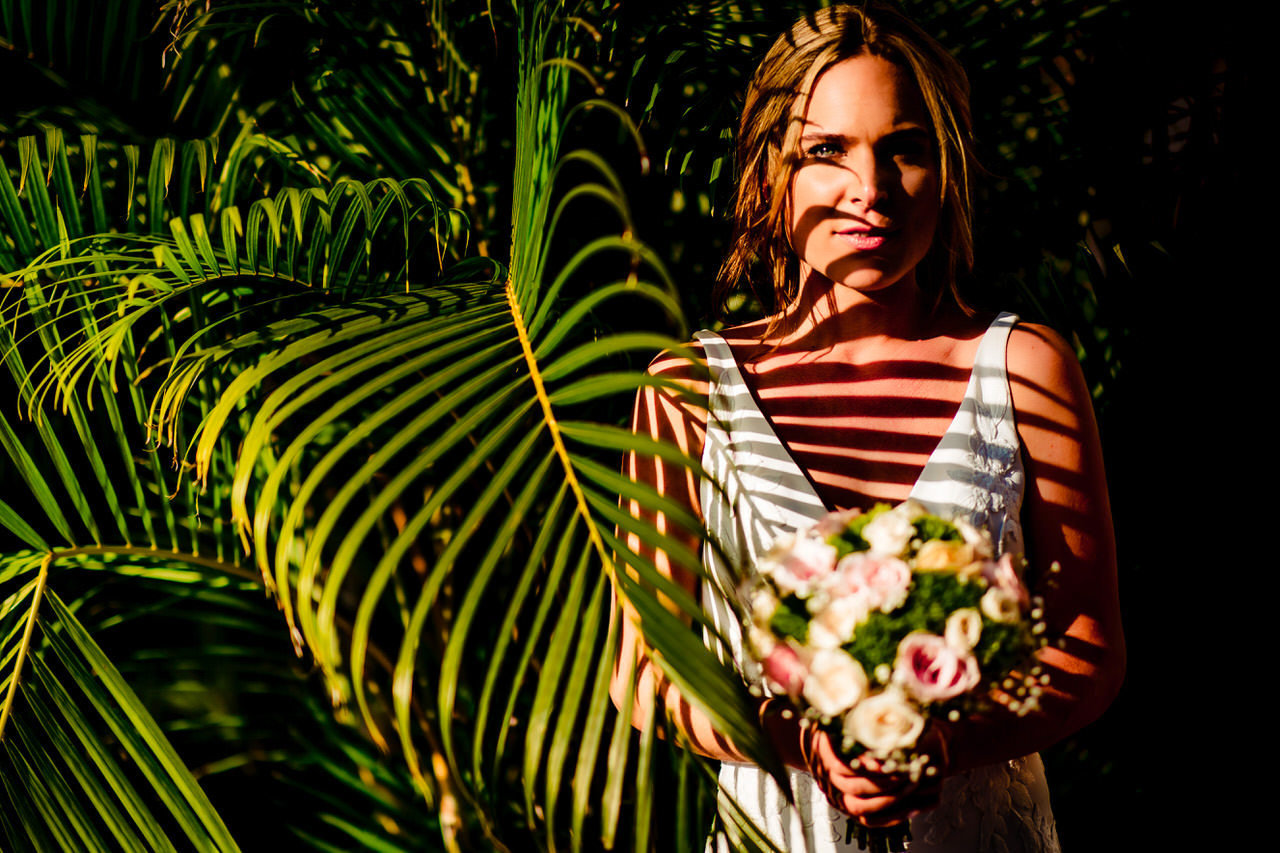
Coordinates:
[768,145]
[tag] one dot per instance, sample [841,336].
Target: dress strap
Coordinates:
[989,367]
[719,356]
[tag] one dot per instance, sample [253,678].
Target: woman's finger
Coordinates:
[888,810]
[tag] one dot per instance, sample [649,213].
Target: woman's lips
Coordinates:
[864,239]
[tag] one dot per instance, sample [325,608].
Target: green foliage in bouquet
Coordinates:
[1001,648]
[791,618]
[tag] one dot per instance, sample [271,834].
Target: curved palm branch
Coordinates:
[426,476]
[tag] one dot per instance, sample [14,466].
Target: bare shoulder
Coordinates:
[685,362]
[747,340]
[1038,349]
[682,368]
[1045,376]
[674,396]
[1053,410]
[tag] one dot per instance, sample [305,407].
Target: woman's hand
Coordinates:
[867,793]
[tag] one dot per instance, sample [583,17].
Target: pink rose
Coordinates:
[835,522]
[1004,576]
[784,670]
[796,563]
[882,581]
[979,538]
[931,670]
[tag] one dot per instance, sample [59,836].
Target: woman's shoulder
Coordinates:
[686,362]
[1045,379]
[1038,353]
[678,383]
[689,361]
[744,336]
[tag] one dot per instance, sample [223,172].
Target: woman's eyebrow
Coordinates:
[908,132]
[821,134]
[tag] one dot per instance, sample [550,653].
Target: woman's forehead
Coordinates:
[863,89]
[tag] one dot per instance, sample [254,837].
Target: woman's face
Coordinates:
[864,196]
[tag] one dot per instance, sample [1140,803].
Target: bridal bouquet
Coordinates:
[874,622]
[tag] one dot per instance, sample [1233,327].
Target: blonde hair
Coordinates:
[769,141]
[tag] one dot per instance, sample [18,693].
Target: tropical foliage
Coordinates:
[321,322]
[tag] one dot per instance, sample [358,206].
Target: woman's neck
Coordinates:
[832,316]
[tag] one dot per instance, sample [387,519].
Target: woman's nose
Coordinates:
[867,183]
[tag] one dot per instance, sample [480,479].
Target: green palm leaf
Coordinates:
[63,785]
[424,474]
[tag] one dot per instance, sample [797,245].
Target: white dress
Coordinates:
[977,470]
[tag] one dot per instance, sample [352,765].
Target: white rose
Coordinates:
[889,532]
[762,604]
[835,682]
[884,722]
[1000,606]
[761,641]
[833,625]
[964,629]
[911,509]
[770,563]
[980,539]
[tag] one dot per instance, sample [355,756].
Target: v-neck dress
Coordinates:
[754,491]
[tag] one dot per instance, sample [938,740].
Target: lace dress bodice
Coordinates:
[976,470]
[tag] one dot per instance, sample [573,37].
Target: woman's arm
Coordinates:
[676,414]
[1066,516]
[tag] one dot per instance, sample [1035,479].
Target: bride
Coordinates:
[873,381]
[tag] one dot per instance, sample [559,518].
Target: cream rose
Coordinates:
[884,722]
[761,604]
[938,555]
[1000,606]
[835,682]
[964,629]
[833,624]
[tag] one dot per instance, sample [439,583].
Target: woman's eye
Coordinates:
[823,150]
[911,151]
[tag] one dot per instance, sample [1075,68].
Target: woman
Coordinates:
[874,382]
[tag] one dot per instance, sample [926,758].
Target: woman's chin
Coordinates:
[869,281]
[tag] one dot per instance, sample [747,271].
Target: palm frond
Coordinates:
[420,455]
[62,783]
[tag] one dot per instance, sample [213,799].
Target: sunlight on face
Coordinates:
[864,195]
